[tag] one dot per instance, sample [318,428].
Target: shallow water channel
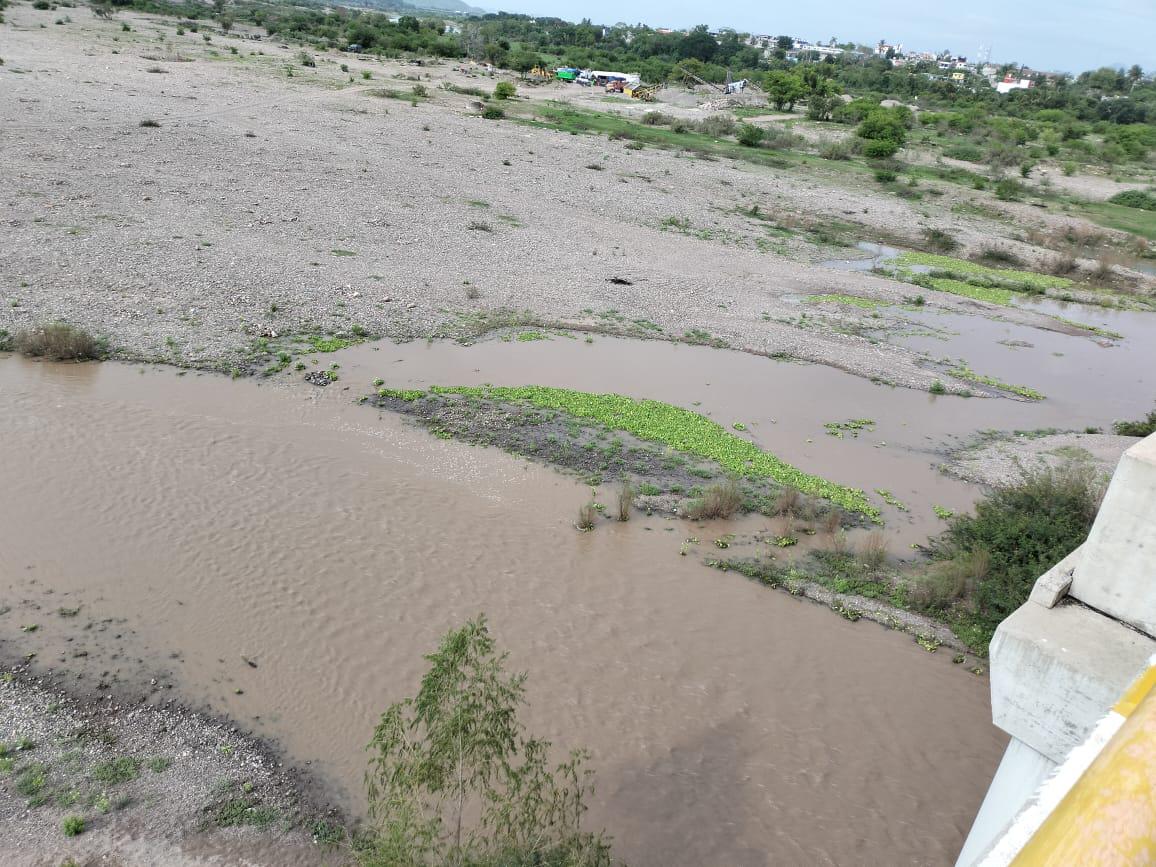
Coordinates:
[216,522]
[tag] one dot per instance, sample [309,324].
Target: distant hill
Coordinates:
[448,6]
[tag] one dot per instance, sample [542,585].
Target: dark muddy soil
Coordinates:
[667,481]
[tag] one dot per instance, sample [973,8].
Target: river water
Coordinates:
[220,521]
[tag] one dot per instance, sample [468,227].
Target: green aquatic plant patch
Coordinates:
[990,294]
[848,300]
[962,267]
[679,428]
[966,373]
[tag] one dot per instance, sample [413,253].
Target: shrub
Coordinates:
[419,91]
[965,151]
[835,150]
[939,240]
[994,255]
[937,387]
[492,112]
[878,149]
[73,825]
[717,126]
[1008,190]
[149,123]
[1141,199]
[750,135]
[1024,529]
[720,500]
[1144,427]
[41,4]
[885,176]
[657,118]
[505,90]
[59,342]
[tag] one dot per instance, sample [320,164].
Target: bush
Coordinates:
[72,826]
[720,500]
[885,176]
[835,150]
[1144,427]
[750,135]
[58,342]
[965,151]
[492,112]
[1008,190]
[939,240]
[657,118]
[505,90]
[1141,199]
[1023,529]
[994,255]
[717,126]
[879,149]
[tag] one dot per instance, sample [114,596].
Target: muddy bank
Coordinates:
[665,480]
[145,784]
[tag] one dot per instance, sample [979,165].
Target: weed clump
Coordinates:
[72,826]
[58,341]
[625,500]
[720,500]
[587,515]
[1142,428]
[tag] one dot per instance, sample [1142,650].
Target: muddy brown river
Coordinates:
[220,521]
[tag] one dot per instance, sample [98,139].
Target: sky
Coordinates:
[1054,35]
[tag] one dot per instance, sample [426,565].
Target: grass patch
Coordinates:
[116,771]
[332,344]
[58,341]
[848,300]
[566,119]
[967,374]
[961,269]
[1094,329]
[679,428]
[1134,220]
[990,294]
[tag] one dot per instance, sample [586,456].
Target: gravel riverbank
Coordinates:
[261,206]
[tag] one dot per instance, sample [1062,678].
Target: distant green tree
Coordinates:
[783,89]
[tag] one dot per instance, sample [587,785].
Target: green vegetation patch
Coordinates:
[679,428]
[966,373]
[990,294]
[332,344]
[851,426]
[116,771]
[1134,220]
[848,300]
[962,268]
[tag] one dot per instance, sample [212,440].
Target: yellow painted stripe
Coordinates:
[1109,816]
[1135,694]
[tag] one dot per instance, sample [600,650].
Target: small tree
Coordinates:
[458,749]
[505,90]
[784,89]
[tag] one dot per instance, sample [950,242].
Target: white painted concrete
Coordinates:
[1118,574]
[1021,771]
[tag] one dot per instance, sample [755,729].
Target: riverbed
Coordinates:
[280,524]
